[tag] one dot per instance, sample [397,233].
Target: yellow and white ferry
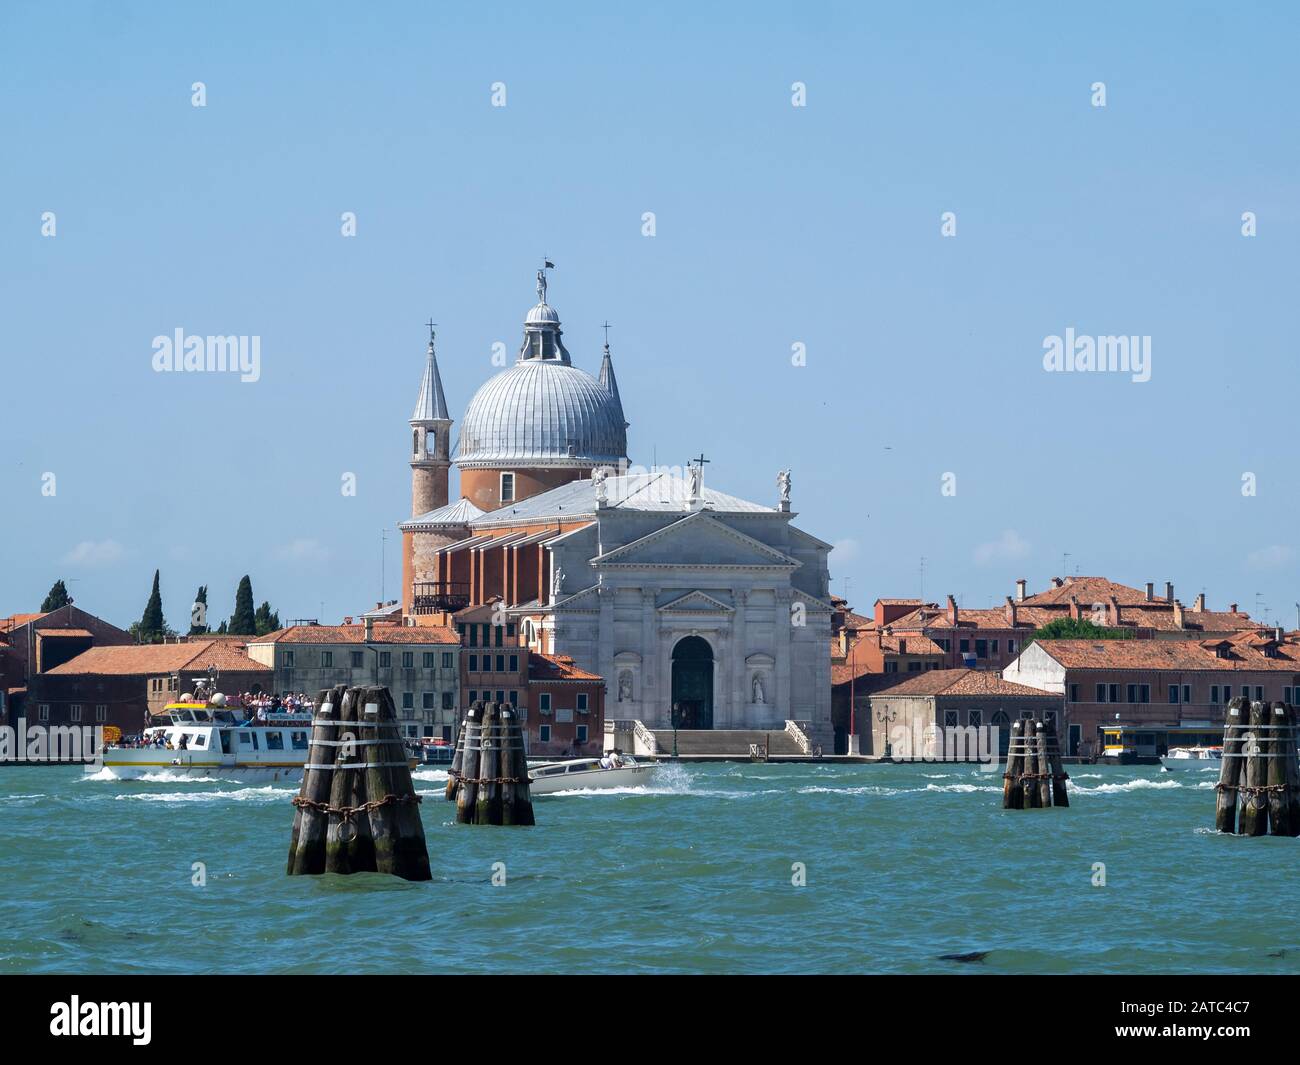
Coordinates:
[205,738]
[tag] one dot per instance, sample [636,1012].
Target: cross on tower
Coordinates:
[606,328]
[431,323]
[699,461]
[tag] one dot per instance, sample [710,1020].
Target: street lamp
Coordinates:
[887,718]
[676,717]
[853,748]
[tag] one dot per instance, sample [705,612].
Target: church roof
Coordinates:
[431,406]
[461,512]
[658,491]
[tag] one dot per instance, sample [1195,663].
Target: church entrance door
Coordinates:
[693,683]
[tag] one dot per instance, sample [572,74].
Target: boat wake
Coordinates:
[266,793]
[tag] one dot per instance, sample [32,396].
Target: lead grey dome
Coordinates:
[543,411]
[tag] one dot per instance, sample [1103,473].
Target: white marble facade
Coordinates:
[739,576]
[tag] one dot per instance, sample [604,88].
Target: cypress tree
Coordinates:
[152,625]
[243,622]
[58,597]
[199,618]
[266,620]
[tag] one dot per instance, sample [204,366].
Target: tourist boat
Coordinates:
[1191,758]
[205,738]
[545,778]
[432,752]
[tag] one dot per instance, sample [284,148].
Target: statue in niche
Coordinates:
[557,581]
[625,686]
[760,691]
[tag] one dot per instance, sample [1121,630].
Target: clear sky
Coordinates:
[775,225]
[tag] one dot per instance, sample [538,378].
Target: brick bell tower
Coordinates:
[430,464]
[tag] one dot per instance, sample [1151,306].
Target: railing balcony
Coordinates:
[431,597]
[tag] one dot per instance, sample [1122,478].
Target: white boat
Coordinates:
[545,778]
[208,739]
[1180,758]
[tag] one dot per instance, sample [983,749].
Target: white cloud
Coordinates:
[1272,557]
[846,550]
[94,553]
[304,550]
[1006,548]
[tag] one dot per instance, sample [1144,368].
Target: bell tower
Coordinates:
[430,440]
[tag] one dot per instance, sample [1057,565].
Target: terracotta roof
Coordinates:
[556,667]
[1171,655]
[17,620]
[900,602]
[151,658]
[1089,590]
[962,682]
[426,634]
[64,632]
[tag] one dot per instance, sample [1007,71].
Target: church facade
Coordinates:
[701,610]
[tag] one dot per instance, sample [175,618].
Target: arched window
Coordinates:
[415,441]
[1002,723]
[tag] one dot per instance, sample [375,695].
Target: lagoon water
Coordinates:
[692,874]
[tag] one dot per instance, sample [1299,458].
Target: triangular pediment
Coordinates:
[696,602]
[697,540]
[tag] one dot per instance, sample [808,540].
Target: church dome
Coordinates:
[543,411]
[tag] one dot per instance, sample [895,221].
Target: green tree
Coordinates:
[1077,629]
[224,629]
[266,620]
[152,625]
[199,618]
[243,622]
[58,597]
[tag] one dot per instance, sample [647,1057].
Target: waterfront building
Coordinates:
[419,665]
[943,701]
[700,609]
[1156,684]
[121,685]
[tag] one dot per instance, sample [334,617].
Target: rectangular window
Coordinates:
[975,717]
[544,701]
[501,663]
[1049,715]
[446,701]
[963,646]
[1132,693]
[358,659]
[426,701]
[274,741]
[993,646]
[544,733]
[981,648]
[914,667]
[1245,691]
[473,663]
[1074,693]
[500,629]
[101,712]
[446,733]
[1101,693]
[447,660]
[429,659]
[473,696]
[507,488]
[288,660]
[581,734]
[1259,694]
[299,740]
[1114,693]
[1173,693]
[1187,693]
[510,628]
[327,658]
[1011,647]
[74,712]
[891,666]
[1144,693]
[408,659]
[1214,695]
[473,635]
[501,696]
[385,659]
[514,699]
[514,663]
[408,700]
[43,712]
[582,700]
[950,719]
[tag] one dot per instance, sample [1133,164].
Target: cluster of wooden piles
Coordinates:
[488,779]
[1259,780]
[1035,776]
[357,810]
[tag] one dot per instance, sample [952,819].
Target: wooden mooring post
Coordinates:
[492,784]
[456,760]
[1035,775]
[1259,780]
[357,809]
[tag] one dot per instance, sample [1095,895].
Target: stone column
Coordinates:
[739,672]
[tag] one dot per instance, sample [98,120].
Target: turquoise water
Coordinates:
[904,863]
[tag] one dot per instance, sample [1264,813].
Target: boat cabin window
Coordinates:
[275,741]
[299,740]
[552,771]
[248,739]
[199,739]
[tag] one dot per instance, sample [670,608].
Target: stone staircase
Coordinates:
[725,743]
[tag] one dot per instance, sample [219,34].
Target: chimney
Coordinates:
[902,645]
[1011,608]
[370,629]
[1232,608]
[1279,634]
[1076,611]
[1114,611]
[1020,589]
[952,611]
[1179,619]
[1199,604]
[844,643]
[1169,590]
[1151,590]
[1057,582]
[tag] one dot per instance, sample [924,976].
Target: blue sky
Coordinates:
[775,225]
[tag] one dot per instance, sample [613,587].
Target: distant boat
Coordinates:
[1180,758]
[545,778]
